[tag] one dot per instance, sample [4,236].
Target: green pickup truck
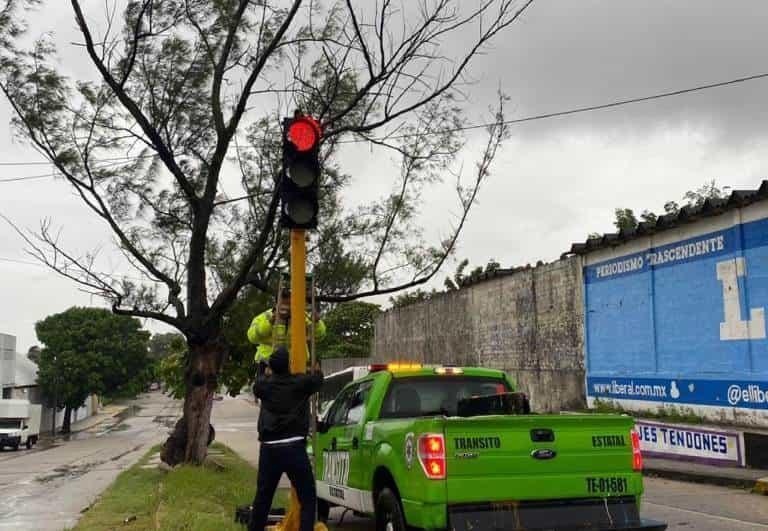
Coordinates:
[456,448]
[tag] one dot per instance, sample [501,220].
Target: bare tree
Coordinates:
[146,143]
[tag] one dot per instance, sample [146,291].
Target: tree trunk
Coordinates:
[188,443]
[66,427]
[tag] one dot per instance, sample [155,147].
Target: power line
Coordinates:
[50,175]
[94,273]
[578,110]
[555,114]
[44,163]
[28,178]
[24,163]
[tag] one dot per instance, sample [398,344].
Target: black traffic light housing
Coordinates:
[301,173]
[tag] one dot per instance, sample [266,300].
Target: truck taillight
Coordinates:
[432,455]
[637,456]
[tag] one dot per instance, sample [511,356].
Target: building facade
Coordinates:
[674,313]
[19,381]
[7,364]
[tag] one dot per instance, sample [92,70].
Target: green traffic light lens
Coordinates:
[301,174]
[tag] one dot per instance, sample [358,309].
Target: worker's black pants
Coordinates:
[291,459]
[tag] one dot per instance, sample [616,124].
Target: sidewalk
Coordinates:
[111,413]
[237,428]
[748,478]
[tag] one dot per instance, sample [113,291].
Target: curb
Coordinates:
[756,485]
[117,414]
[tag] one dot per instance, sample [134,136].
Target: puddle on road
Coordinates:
[131,411]
[69,472]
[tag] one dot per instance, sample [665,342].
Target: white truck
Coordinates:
[19,423]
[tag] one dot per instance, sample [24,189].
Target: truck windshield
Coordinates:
[419,397]
[8,424]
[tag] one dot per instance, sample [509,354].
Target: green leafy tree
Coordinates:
[163,345]
[626,220]
[648,216]
[186,89]
[407,298]
[671,207]
[69,377]
[90,351]
[171,372]
[34,353]
[459,278]
[709,190]
[350,327]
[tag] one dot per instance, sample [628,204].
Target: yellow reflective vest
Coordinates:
[267,336]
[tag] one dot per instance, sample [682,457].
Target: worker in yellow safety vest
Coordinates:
[270,329]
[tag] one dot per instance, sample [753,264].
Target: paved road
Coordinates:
[688,506]
[235,420]
[46,488]
[685,506]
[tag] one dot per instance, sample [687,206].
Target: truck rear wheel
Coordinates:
[29,443]
[389,512]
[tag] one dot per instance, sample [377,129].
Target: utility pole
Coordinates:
[55,389]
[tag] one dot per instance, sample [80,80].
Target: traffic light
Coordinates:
[301,173]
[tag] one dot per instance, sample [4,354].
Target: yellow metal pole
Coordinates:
[298,350]
[298,302]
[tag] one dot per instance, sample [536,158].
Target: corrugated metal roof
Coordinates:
[488,275]
[686,214]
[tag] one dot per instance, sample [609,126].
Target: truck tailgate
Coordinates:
[539,457]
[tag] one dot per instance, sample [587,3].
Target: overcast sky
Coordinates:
[556,180]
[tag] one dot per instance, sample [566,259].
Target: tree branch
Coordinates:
[226,297]
[152,133]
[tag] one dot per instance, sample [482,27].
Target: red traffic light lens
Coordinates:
[303,134]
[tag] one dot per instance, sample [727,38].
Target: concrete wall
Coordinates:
[677,319]
[528,324]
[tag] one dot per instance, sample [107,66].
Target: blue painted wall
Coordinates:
[682,323]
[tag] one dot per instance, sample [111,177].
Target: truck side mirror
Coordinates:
[25,427]
[322,426]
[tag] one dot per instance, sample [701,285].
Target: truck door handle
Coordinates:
[333,443]
[355,443]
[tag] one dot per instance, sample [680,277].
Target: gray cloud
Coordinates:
[557,179]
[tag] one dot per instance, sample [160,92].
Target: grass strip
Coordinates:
[187,498]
